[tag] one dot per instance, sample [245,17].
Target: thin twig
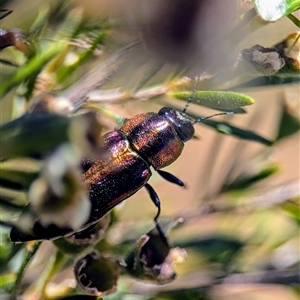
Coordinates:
[117,96]
[272,197]
[97,77]
[29,255]
[284,277]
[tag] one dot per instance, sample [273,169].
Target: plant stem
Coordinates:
[54,264]
[28,256]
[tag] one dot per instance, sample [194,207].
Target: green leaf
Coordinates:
[32,134]
[273,10]
[32,68]
[295,20]
[288,124]
[6,282]
[9,204]
[181,293]
[229,129]
[78,297]
[66,71]
[247,181]
[238,132]
[7,252]
[268,81]
[216,248]
[25,262]
[18,173]
[215,99]
[293,210]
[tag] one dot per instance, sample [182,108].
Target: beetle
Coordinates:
[123,166]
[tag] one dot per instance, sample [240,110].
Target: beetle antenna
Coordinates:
[192,96]
[219,114]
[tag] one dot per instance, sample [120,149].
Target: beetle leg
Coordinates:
[170,177]
[155,199]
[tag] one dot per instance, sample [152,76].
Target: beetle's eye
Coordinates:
[181,123]
[185,131]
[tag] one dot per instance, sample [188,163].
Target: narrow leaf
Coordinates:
[244,182]
[215,99]
[31,68]
[288,124]
[227,128]
[32,134]
[293,210]
[215,248]
[78,297]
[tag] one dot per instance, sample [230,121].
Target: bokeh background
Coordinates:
[242,243]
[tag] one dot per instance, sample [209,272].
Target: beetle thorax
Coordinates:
[154,138]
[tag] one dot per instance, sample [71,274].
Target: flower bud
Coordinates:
[153,259]
[59,195]
[97,274]
[260,61]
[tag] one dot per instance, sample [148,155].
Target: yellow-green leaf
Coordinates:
[215,99]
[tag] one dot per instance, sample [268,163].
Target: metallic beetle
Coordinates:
[148,139]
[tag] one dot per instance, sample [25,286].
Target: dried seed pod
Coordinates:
[260,61]
[58,199]
[153,259]
[97,274]
[86,133]
[289,49]
[13,38]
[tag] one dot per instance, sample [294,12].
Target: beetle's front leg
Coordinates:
[171,178]
[155,199]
